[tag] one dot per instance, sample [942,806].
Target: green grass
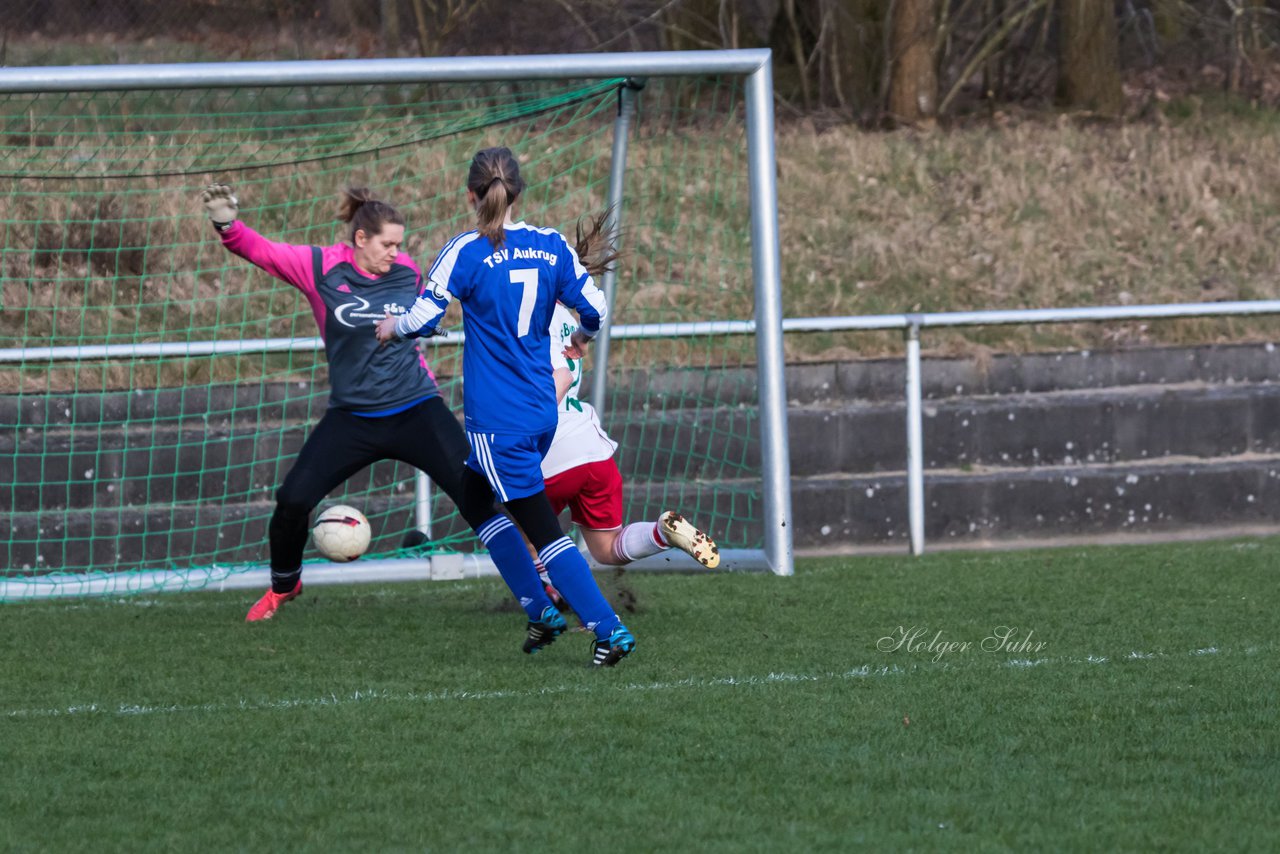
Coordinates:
[757,714]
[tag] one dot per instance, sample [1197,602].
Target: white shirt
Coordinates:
[580,438]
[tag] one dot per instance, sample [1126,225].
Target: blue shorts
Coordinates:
[512,463]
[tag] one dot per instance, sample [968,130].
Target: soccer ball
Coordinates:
[341,533]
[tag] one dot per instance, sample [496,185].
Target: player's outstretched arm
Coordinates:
[420,320]
[577,346]
[221,204]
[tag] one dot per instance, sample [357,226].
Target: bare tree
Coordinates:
[437,20]
[389,18]
[830,53]
[913,74]
[1089,58]
[1247,40]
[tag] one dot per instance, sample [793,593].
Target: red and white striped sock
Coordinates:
[637,540]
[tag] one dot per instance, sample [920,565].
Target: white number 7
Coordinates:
[529,279]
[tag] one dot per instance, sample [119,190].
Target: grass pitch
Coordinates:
[1128,702]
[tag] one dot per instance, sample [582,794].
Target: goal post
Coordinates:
[117,313]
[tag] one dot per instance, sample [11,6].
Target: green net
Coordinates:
[158,469]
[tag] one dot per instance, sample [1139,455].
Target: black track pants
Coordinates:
[426,436]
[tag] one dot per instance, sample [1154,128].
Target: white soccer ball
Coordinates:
[341,533]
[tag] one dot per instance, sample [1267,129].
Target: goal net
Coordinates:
[155,389]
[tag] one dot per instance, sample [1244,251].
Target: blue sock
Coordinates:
[571,575]
[502,538]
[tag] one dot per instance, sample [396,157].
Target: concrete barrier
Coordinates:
[1160,442]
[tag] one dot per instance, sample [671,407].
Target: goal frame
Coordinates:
[754,67]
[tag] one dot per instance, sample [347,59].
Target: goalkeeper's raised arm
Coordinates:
[221,204]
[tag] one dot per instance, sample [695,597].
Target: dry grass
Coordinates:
[1034,214]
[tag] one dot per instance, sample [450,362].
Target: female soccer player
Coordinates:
[383,403]
[508,276]
[581,474]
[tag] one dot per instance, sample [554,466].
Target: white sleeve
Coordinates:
[557,343]
[426,312]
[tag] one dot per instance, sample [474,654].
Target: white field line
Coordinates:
[866,671]
[379,695]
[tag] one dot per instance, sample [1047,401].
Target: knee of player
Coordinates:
[292,506]
[603,550]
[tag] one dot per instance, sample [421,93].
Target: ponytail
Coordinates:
[593,246]
[495,179]
[492,213]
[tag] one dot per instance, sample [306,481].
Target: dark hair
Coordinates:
[593,246]
[495,179]
[365,213]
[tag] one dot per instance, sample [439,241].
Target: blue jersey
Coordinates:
[508,296]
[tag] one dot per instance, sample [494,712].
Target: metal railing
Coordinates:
[911,324]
